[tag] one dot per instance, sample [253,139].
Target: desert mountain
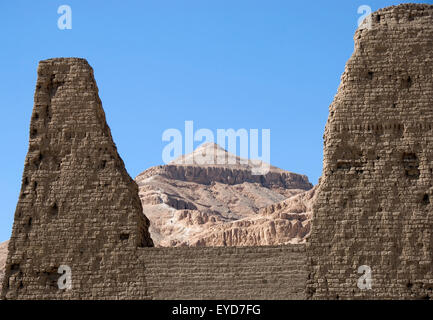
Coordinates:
[199,200]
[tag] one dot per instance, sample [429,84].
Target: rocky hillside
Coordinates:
[221,203]
[3,256]
[285,222]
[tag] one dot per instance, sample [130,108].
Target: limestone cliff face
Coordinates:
[184,202]
[207,175]
[77,206]
[374,202]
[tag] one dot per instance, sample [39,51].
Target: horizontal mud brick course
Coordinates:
[374,204]
[226,272]
[77,206]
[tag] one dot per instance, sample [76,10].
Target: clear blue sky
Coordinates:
[221,63]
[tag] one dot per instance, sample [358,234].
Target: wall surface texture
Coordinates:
[375,198]
[226,272]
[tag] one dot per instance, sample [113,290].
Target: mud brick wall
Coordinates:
[78,206]
[375,198]
[226,273]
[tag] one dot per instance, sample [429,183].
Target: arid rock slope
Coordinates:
[3,256]
[211,204]
[285,222]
